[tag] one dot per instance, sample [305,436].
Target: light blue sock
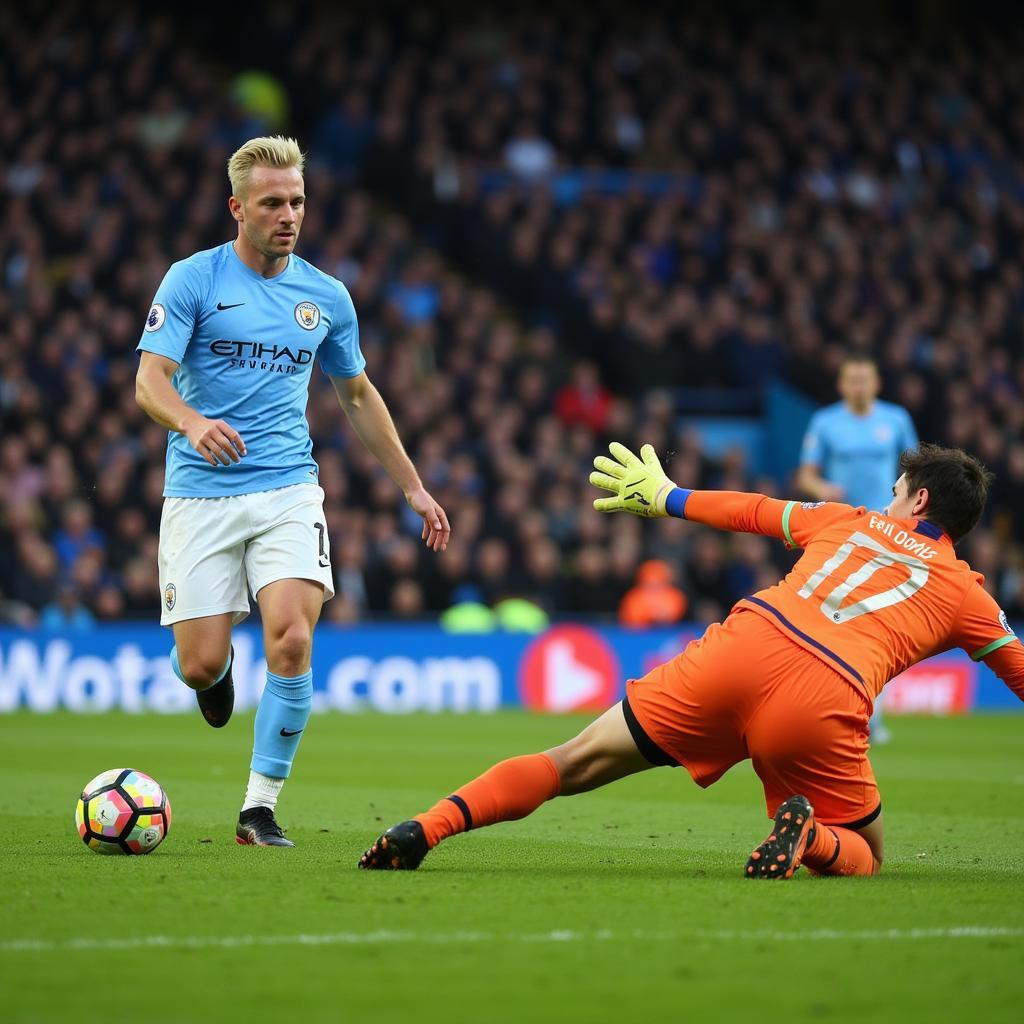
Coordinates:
[176,666]
[280,718]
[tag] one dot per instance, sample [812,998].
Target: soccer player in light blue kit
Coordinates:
[851,453]
[226,359]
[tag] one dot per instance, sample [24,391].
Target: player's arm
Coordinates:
[984,633]
[809,480]
[166,336]
[1008,663]
[215,440]
[372,422]
[640,485]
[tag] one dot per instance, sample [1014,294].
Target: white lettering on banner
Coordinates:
[132,669]
[345,677]
[44,676]
[22,674]
[89,685]
[460,684]
[933,695]
[934,689]
[394,685]
[398,684]
[166,693]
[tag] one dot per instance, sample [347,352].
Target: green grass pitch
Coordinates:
[608,907]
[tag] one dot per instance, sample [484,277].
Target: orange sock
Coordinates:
[839,851]
[511,789]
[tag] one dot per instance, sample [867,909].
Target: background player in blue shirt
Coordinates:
[226,358]
[851,449]
[851,453]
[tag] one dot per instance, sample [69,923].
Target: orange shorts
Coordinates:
[745,689]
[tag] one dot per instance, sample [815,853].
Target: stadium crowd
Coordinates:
[548,225]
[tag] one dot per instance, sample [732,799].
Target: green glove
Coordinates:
[639,485]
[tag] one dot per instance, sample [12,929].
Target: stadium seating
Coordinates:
[554,233]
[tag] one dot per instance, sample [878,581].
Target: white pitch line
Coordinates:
[473,937]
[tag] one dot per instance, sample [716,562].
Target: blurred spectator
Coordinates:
[20,478]
[39,572]
[141,588]
[528,155]
[406,600]
[66,612]
[349,560]
[163,125]
[544,577]
[493,571]
[655,600]
[591,589]
[711,597]
[584,400]
[76,535]
[342,610]
[343,134]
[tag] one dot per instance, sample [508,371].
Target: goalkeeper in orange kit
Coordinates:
[787,680]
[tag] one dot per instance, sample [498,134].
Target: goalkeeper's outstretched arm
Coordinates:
[640,485]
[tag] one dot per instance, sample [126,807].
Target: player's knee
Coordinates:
[289,649]
[200,668]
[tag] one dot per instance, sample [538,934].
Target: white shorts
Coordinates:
[214,551]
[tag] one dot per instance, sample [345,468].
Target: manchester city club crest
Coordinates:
[307,315]
[170,596]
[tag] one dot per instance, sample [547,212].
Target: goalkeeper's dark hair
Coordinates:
[957,486]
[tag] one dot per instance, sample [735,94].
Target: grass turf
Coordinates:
[604,907]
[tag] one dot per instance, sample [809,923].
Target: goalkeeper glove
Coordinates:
[639,485]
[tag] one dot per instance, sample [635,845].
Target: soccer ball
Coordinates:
[123,811]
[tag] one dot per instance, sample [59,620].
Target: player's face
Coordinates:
[902,504]
[271,214]
[858,384]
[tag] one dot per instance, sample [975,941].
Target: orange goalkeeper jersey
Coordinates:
[870,595]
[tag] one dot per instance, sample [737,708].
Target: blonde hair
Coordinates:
[268,151]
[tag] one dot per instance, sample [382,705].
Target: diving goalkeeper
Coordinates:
[872,594]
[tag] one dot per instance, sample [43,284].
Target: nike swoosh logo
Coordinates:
[222,307]
[290,732]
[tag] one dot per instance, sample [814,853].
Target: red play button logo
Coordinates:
[569,668]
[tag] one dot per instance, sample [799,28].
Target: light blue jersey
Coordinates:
[246,345]
[860,453]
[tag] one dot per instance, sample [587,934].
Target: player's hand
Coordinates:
[436,530]
[218,442]
[831,492]
[639,485]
